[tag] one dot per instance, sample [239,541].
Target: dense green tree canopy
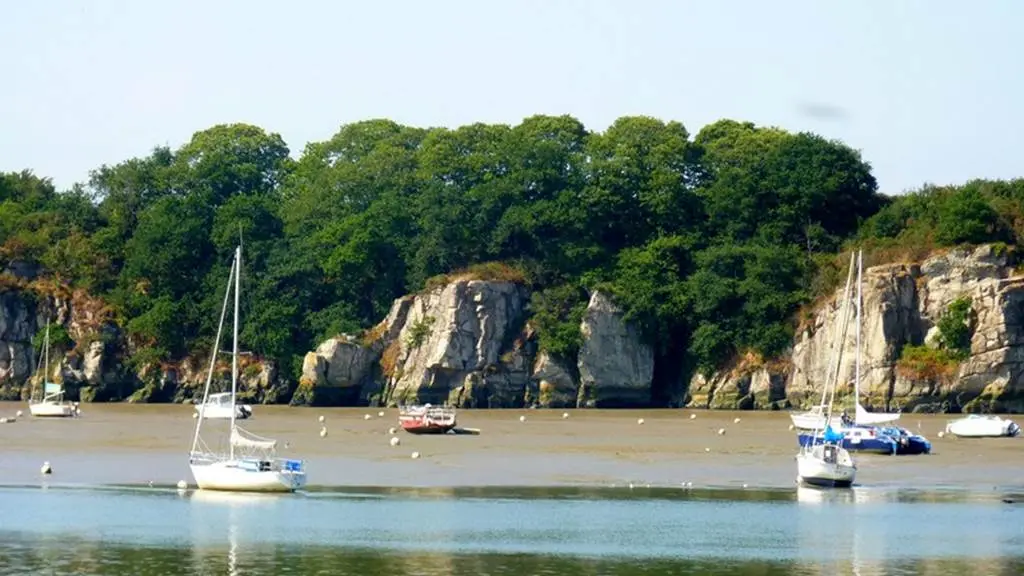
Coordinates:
[710,243]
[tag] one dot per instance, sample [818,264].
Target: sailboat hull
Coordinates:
[832,468]
[51,409]
[813,419]
[246,476]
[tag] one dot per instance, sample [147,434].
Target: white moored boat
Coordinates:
[978,426]
[826,463]
[814,419]
[250,463]
[221,405]
[51,403]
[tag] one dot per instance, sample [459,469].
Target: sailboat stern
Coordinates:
[250,475]
[826,465]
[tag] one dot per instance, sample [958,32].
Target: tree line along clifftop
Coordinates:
[711,244]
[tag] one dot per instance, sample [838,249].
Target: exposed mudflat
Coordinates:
[133,443]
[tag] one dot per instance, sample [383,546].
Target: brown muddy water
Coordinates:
[129,444]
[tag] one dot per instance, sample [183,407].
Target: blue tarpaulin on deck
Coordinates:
[831,435]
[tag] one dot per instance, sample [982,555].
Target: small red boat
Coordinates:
[426,419]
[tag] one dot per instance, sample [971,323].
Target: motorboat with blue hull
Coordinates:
[867,439]
[906,441]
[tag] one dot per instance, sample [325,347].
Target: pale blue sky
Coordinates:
[930,90]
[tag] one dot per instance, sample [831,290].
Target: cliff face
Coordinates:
[469,344]
[902,304]
[93,360]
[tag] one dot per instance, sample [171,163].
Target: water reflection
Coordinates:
[209,508]
[807,532]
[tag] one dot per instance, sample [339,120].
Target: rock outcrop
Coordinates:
[90,354]
[902,305]
[468,343]
[616,367]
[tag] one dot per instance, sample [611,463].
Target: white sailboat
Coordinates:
[51,403]
[221,405]
[814,419]
[827,463]
[251,464]
[861,415]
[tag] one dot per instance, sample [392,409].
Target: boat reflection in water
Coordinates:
[243,510]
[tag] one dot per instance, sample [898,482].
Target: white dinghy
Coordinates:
[978,426]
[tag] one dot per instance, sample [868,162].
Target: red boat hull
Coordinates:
[416,427]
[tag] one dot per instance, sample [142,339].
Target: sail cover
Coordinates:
[238,440]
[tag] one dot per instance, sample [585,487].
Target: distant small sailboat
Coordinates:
[221,405]
[824,462]
[251,464]
[51,403]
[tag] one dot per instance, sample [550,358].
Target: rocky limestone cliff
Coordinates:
[902,304]
[86,361]
[469,344]
[92,361]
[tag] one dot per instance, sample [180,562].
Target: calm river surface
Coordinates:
[76,531]
[595,493]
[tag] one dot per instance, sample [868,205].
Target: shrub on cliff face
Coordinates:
[926,363]
[952,346]
[955,328]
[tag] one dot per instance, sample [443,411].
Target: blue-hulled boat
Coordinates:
[907,442]
[856,439]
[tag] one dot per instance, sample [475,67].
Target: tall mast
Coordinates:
[842,340]
[856,373]
[234,349]
[213,359]
[832,366]
[46,355]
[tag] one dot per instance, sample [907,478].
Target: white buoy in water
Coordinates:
[5,420]
[736,420]
[415,455]
[392,431]
[367,416]
[395,441]
[381,413]
[182,485]
[18,413]
[522,418]
[195,415]
[46,468]
[639,420]
[321,419]
[323,432]
[707,449]
[693,416]
[941,434]
[721,431]
[744,485]
[565,415]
